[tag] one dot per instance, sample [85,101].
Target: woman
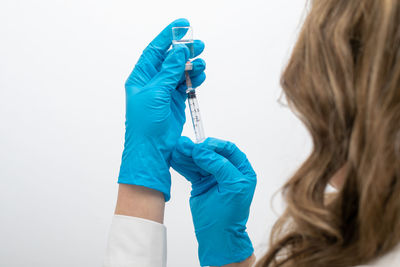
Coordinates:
[343,81]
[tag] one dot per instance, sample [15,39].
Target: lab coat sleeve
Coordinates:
[136,242]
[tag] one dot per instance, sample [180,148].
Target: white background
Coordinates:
[63,65]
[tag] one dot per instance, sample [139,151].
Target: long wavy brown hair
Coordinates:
[343,82]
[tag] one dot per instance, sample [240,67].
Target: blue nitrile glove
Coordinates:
[155,110]
[223,184]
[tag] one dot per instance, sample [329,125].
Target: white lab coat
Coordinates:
[136,242]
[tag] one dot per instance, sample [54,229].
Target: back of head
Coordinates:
[343,82]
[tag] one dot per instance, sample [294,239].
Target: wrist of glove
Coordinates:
[221,242]
[145,163]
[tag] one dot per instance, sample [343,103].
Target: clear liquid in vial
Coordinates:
[188,43]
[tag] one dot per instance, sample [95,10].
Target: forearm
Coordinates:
[142,202]
[133,238]
[247,263]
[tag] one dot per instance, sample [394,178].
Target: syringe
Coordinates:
[194,110]
[184,35]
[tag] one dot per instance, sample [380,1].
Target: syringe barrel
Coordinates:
[196,118]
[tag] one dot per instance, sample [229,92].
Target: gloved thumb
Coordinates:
[223,170]
[172,68]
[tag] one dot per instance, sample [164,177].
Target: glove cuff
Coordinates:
[145,165]
[223,248]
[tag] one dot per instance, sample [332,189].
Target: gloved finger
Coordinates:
[155,51]
[226,174]
[230,151]
[172,68]
[182,161]
[199,65]
[184,166]
[198,48]
[196,82]
[185,146]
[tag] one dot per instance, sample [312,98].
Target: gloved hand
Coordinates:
[155,110]
[223,184]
